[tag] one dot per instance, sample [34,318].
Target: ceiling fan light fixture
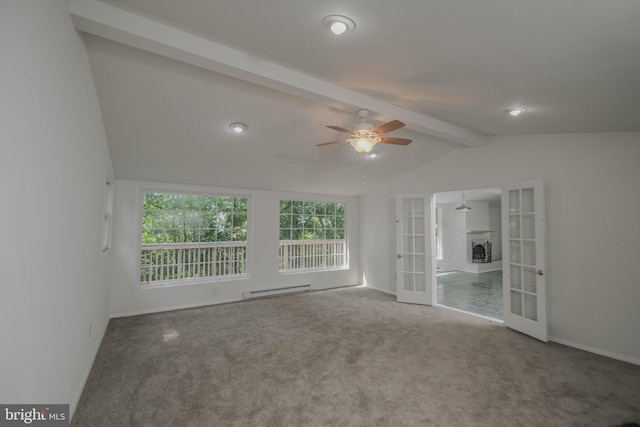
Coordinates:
[238,127]
[338,24]
[364,136]
[363,144]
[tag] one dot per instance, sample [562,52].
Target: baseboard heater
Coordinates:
[266,293]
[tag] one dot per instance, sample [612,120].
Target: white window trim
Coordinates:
[347,228]
[143,188]
[107,224]
[439,251]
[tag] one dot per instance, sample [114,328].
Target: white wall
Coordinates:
[53,164]
[495,225]
[592,199]
[128,298]
[454,238]
[456,243]
[478,217]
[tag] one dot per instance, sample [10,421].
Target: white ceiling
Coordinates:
[447,68]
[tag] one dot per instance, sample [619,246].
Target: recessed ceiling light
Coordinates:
[516,111]
[338,27]
[238,127]
[338,24]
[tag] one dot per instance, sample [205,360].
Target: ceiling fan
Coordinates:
[365,136]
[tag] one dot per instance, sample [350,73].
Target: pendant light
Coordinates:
[463,207]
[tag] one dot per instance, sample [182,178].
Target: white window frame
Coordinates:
[320,245]
[107,222]
[141,190]
[439,253]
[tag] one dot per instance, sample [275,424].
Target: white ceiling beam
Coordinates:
[100,19]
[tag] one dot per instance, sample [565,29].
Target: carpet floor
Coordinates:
[345,357]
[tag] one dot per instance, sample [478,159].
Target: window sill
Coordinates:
[189,282]
[304,271]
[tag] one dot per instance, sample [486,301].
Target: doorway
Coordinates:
[468,251]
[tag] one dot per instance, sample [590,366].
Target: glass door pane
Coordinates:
[412,250]
[523,238]
[528,203]
[514,201]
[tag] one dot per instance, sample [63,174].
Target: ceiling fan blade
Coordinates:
[339,129]
[328,143]
[397,141]
[388,127]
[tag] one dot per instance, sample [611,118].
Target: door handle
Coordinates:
[399,256]
[540,272]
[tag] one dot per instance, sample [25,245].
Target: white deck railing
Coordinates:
[312,254]
[184,261]
[188,261]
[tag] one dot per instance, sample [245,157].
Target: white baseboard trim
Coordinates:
[386,291]
[202,304]
[76,398]
[172,308]
[605,353]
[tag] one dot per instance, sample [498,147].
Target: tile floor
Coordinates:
[477,293]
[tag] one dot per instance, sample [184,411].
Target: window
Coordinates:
[188,237]
[439,255]
[312,236]
[108,212]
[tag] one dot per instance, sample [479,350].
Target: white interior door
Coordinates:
[412,268]
[523,264]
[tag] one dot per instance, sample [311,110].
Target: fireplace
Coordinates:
[480,251]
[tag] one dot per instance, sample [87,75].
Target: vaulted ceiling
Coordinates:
[171,76]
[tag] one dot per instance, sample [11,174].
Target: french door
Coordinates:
[413,261]
[523,264]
